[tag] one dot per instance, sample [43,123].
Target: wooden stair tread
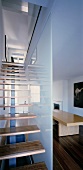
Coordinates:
[12,74]
[12,64]
[19,83]
[20,149]
[15,89]
[19,105]
[25,84]
[13,70]
[19,130]
[13,78]
[12,67]
[17,116]
[12,97]
[36,166]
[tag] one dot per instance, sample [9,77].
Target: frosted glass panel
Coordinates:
[41,74]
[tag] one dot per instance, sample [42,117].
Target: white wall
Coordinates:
[58,90]
[63,93]
[71,108]
[60,94]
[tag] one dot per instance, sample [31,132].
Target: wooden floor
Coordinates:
[67,153]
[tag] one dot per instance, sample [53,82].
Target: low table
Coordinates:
[67,123]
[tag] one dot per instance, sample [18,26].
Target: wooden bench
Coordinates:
[68,123]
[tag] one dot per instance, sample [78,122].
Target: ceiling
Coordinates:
[18,25]
[67,24]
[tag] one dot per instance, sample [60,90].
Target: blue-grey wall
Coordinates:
[67,29]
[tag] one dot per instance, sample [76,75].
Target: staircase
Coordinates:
[12,75]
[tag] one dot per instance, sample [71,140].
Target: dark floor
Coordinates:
[67,153]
